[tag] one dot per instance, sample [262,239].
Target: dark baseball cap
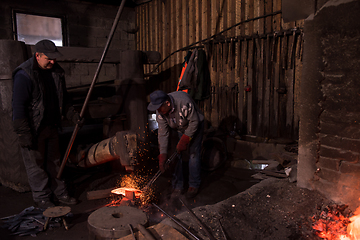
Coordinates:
[157,98]
[48,48]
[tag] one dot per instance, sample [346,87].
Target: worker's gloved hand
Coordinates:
[162,160]
[74,116]
[26,140]
[183,143]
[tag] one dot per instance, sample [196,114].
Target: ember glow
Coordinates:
[334,223]
[133,183]
[122,191]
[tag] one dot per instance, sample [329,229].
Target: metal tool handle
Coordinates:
[121,7]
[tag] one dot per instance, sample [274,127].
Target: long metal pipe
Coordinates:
[77,128]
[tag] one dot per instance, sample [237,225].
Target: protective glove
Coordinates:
[26,140]
[162,160]
[183,143]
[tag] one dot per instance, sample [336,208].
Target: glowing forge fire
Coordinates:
[132,183]
[123,190]
[335,224]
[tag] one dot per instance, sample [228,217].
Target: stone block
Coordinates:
[350,168]
[329,163]
[335,141]
[338,153]
[329,175]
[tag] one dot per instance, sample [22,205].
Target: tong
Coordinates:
[157,175]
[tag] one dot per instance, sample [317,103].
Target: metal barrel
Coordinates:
[100,153]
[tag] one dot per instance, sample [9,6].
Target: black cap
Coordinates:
[157,98]
[48,48]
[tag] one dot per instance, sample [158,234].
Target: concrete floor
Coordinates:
[217,185]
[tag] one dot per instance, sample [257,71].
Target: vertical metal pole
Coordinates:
[76,129]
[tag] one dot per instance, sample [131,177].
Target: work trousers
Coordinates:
[42,165]
[194,149]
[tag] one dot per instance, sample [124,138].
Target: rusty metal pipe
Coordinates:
[77,128]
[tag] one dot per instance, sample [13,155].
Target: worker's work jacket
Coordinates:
[184,116]
[35,110]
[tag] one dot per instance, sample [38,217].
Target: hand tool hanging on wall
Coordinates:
[214,59]
[226,51]
[284,51]
[76,129]
[267,56]
[221,57]
[239,57]
[273,55]
[232,54]
[292,50]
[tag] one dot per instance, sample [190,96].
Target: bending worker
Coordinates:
[178,111]
[39,102]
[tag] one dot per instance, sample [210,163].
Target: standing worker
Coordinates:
[178,111]
[39,101]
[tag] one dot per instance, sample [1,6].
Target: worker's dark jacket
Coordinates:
[36,107]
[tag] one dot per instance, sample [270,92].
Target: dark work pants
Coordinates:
[42,165]
[194,149]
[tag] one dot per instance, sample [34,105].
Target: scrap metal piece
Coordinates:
[178,223]
[132,232]
[211,237]
[145,232]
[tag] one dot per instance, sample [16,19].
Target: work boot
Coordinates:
[191,192]
[176,193]
[44,204]
[66,199]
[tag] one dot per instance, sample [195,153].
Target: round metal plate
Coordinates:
[57,211]
[112,222]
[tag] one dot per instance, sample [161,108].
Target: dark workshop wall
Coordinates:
[260,52]
[87,26]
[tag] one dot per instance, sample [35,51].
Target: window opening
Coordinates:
[32,28]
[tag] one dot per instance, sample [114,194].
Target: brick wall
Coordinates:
[329,144]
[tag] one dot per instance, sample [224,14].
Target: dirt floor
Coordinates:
[271,209]
[232,196]
[246,208]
